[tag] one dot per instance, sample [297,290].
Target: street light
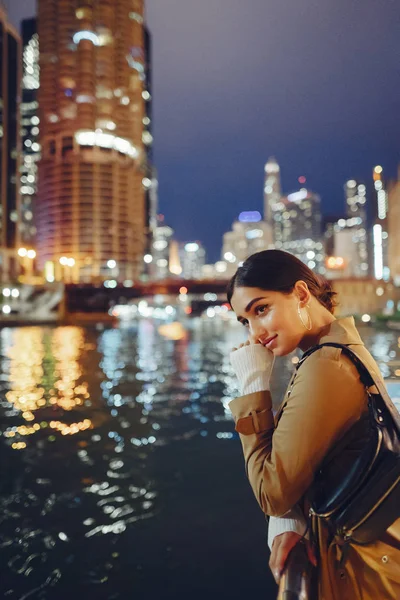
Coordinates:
[67,262]
[28,256]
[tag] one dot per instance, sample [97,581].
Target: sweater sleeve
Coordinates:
[293,521]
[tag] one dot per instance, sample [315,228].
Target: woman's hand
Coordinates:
[252,363]
[241,346]
[281,547]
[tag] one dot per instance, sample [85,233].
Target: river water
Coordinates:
[121,474]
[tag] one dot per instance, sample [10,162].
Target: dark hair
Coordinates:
[278,271]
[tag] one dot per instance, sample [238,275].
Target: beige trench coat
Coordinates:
[281,455]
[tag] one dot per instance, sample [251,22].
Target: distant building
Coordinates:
[380,227]
[272,191]
[10,93]
[30,128]
[356,198]
[159,258]
[249,235]
[93,178]
[192,256]
[10,90]
[393,232]
[298,221]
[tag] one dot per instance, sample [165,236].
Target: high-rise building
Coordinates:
[346,248]
[272,193]
[249,234]
[159,258]
[298,222]
[92,103]
[393,231]
[356,198]
[30,132]
[380,227]
[192,260]
[10,91]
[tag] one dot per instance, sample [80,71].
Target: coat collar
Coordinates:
[342,331]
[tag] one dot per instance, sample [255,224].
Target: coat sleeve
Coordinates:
[326,398]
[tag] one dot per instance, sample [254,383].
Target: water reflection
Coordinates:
[85,416]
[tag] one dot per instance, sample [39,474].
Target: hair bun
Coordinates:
[326,294]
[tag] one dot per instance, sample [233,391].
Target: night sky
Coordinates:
[314,82]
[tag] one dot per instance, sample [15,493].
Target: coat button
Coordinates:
[385,559]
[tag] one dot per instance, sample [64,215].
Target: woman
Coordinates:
[286,306]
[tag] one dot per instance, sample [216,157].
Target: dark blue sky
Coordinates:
[314,82]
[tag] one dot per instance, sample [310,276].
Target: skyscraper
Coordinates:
[249,234]
[10,89]
[393,231]
[380,228]
[29,131]
[92,174]
[356,198]
[272,194]
[298,229]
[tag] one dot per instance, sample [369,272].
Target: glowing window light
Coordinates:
[148,258]
[160,244]
[6,309]
[250,217]
[378,252]
[230,257]
[298,196]
[106,140]
[85,99]
[192,247]
[254,233]
[146,183]
[90,36]
[134,64]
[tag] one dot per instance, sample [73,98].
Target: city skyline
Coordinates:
[217,117]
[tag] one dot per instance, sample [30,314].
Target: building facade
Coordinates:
[380,228]
[272,195]
[10,93]
[299,222]
[249,234]
[393,232]
[356,208]
[92,174]
[192,258]
[30,128]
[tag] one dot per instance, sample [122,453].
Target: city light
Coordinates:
[31,254]
[192,247]
[22,252]
[335,262]
[378,251]
[230,257]
[111,264]
[250,217]
[87,137]
[298,196]
[148,258]
[86,35]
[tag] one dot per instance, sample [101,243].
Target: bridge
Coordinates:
[89,298]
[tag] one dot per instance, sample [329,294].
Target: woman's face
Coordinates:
[271,318]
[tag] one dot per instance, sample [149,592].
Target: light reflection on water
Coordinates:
[84,413]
